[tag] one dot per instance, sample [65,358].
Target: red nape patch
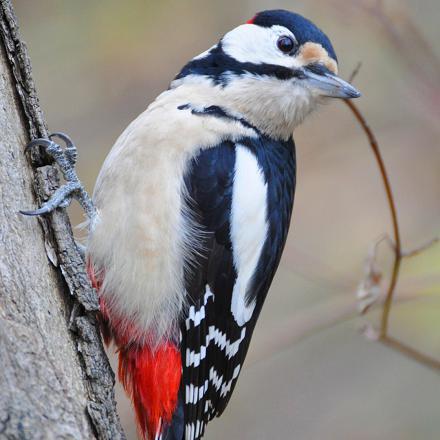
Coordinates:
[251,21]
[152,380]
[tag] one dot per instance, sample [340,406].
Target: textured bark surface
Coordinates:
[56,381]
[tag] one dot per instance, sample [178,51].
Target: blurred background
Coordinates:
[310,374]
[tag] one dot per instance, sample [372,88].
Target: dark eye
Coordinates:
[285,44]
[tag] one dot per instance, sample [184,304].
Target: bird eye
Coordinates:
[285,44]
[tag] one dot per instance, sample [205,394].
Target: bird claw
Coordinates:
[66,160]
[70,151]
[38,142]
[61,198]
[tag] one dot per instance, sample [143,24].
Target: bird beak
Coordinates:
[326,83]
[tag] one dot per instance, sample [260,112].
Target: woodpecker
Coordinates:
[190,216]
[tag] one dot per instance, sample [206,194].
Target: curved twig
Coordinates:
[391,203]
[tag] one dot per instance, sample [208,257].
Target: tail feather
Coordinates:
[175,430]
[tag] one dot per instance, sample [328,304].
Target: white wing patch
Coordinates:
[248,227]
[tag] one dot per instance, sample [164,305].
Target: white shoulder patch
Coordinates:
[248,227]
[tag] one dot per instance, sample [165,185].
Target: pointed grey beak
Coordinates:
[327,83]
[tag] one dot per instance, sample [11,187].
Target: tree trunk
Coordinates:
[56,381]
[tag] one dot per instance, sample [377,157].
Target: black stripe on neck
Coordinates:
[218,112]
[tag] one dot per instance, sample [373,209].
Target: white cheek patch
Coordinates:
[249,43]
[248,228]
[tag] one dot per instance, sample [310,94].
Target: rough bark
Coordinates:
[56,381]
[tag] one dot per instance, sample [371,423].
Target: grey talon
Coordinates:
[31,213]
[38,142]
[66,160]
[61,198]
[67,140]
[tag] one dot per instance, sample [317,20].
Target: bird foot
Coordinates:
[73,188]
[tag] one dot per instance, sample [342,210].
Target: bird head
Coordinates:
[274,69]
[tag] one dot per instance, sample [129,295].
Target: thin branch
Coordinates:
[355,72]
[420,249]
[392,206]
[382,335]
[411,352]
[385,238]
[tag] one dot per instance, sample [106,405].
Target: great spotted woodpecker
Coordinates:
[190,215]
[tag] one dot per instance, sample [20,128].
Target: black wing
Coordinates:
[213,345]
